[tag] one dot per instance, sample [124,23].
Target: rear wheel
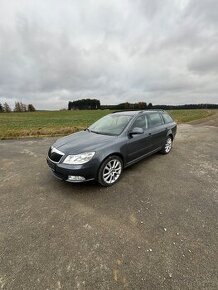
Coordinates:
[167,146]
[110,171]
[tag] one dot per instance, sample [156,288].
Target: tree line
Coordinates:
[84,104]
[186,106]
[92,104]
[18,107]
[145,106]
[129,106]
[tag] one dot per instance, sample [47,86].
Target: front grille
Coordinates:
[54,154]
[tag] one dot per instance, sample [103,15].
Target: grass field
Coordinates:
[54,123]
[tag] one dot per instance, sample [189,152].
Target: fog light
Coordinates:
[75,178]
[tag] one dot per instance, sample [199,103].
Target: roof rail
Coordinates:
[120,111]
[139,111]
[161,110]
[116,112]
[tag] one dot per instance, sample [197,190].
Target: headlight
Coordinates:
[79,158]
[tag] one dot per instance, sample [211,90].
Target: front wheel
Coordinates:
[110,171]
[167,146]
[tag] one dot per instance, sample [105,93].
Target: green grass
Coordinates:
[184,116]
[53,123]
[47,123]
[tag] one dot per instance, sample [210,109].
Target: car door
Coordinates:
[140,144]
[157,129]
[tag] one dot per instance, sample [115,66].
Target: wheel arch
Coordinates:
[170,134]
[113,154]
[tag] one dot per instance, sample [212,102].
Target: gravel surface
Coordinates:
[155,229]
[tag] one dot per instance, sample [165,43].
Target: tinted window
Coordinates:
[141,122]
[167,118]
[155,120]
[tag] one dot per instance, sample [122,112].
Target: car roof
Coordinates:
[134,113]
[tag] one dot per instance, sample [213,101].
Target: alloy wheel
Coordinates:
[168,145]
[112,171]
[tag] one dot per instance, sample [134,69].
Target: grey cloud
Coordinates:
[159,51]
[205,62]
[204,12]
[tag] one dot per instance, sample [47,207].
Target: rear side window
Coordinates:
[167,118]
[155,120]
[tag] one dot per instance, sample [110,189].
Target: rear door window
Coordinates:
[141,122]
[155,120]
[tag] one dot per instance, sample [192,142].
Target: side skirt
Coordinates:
[142,157]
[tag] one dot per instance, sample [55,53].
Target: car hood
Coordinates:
[83,141]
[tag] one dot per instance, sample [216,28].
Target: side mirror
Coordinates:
[136,131]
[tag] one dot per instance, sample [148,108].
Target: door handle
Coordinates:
[149,134]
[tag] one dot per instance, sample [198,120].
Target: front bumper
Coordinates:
[62,171]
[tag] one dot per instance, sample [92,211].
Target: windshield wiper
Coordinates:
[109,134]
[103,133]
[96,132]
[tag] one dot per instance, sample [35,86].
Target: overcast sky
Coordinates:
[159,51]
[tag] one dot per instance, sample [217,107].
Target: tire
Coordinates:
[110,170]
[167,145]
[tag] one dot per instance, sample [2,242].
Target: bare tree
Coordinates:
[23,107]
[31,108]
[7,108]
[17,107]
[20,107]
[1,108]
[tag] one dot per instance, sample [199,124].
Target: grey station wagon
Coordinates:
[116,141]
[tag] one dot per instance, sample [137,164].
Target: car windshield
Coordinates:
[112,124]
